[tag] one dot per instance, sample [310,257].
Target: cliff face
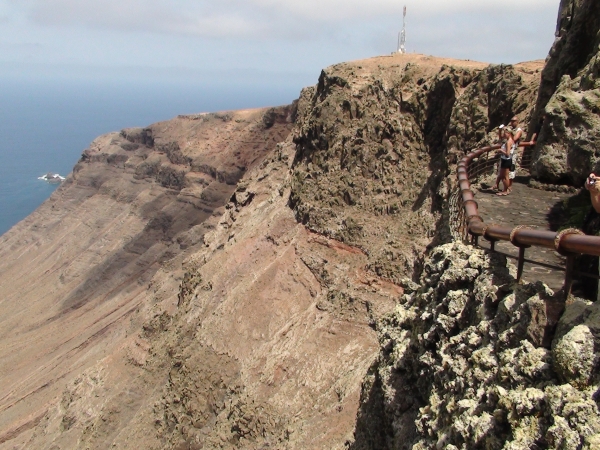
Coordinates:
[568,97]
[378,141]
[463,364]
[210,282]
[76,274]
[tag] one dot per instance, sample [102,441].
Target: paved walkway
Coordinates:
[524,206]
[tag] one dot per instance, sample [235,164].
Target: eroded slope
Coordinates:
[74,274]
[264,334]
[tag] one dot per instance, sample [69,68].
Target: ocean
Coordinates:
[45,125]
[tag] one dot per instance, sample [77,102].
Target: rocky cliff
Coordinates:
[78,273]
[568,105]
[470,359]
[276,279]
[213,281]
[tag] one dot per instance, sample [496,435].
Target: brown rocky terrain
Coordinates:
[275,279]
[77,272]
[569,98]
[175,308]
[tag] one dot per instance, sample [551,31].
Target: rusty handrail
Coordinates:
[568,242]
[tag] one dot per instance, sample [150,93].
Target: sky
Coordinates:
[258,44]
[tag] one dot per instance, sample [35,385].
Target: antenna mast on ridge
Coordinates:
[402,34]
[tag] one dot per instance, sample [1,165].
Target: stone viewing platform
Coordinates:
[530,207]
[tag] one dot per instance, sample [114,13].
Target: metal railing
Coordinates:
[468,223]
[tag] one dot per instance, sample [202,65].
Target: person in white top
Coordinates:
[506,152]
[517,134]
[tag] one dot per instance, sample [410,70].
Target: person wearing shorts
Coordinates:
[517,135]
[506,153]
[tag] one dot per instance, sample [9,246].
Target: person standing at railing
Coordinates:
[517,130]
[591,226]
[517,135]
[506,152]
[592,184]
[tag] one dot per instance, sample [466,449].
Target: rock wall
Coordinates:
[466,362]
[255,265]
[567,106]
[377,141]
[78,275]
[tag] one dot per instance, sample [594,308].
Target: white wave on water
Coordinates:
[52,177]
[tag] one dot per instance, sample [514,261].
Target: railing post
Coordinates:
[513,241]
[521,263]
[570,267]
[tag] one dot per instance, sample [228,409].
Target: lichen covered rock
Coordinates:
[574,357]
[459,367]
[569,97]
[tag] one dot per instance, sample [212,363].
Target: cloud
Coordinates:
[234,35]
[333,10]
[286,19]
[138,15]
[21,48]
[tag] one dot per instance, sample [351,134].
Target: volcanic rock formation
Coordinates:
[569,98]
[261,279]
[464,364]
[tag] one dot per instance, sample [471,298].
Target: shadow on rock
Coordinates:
[137,261]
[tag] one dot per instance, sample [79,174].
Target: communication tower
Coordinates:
[402,34]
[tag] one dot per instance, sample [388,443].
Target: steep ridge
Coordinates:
[264,334]
[75,274]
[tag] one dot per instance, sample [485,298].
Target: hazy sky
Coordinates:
[256,42]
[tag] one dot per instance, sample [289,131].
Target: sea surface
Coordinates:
[45,125]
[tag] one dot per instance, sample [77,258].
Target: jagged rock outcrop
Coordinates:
[377,142]
[491,99]
[568,97]
[461,364]
[226,295]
